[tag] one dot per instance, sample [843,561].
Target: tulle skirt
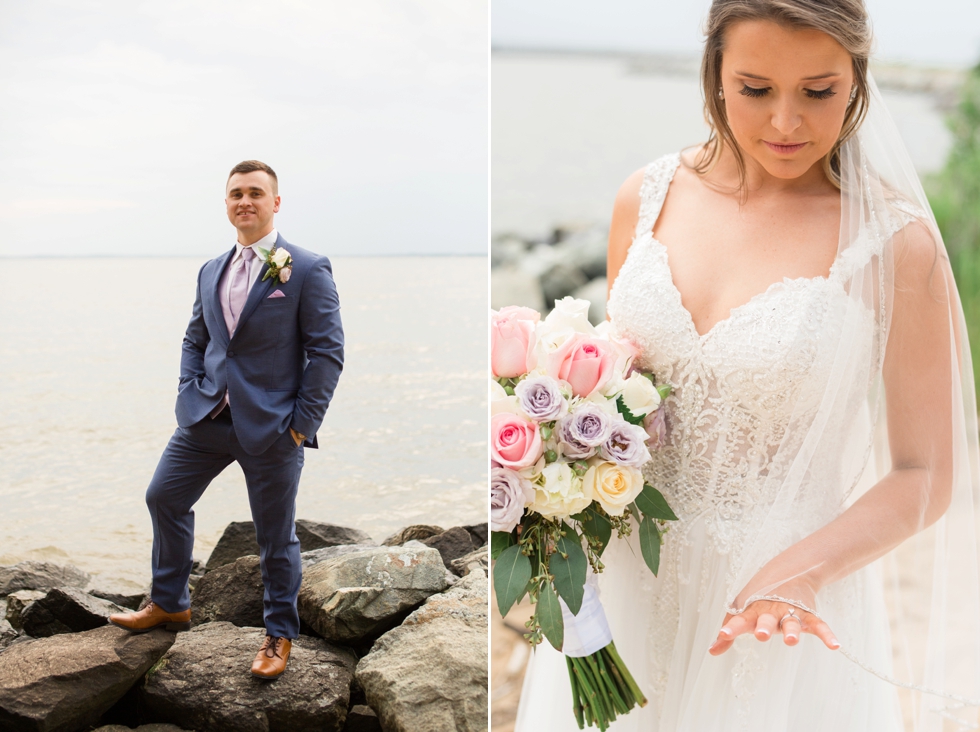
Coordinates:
[663,627]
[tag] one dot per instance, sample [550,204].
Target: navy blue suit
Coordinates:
[280,369]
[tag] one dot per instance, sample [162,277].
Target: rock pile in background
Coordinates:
[535,273]
[393,638]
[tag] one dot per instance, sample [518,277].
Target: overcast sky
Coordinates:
[944,32]
[119,121]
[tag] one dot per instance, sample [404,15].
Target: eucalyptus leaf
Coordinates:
[511,574]
[549,616]
[499,541]
[569,573]
[652,504]
[650,544]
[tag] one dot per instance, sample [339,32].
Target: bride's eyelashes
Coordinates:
[756,92]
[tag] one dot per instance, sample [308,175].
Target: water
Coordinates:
[89,353]
[567,130]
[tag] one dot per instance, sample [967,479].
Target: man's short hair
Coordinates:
[250,166]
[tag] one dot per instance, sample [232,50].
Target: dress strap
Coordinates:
[653,191]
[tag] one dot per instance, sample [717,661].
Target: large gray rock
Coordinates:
[238,540]
[357,596]
[203,683]
[132,602]
[585,250]
[232,592]
[66,610]
[559,281]
[477,560]
[452,544]
[17,602]
[66,682]
[8,633]
[319,555]
[40,576]
[479,532]
[415,532]
[430,673]
[154,727]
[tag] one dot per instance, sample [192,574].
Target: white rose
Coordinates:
[280,257]
[613,486]
[640,395]
[570,316]
[562,493]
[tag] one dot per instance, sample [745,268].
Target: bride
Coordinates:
[788,279]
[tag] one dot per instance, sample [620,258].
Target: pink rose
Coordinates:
[285,273]
[585,363]
[512,341]
[514,442]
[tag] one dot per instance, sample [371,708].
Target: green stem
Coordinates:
[576,695]
[603,699]
[626,676]
[618,701]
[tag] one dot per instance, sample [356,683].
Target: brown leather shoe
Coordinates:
[271,659]
[151,617]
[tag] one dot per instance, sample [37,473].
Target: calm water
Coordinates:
[89,354]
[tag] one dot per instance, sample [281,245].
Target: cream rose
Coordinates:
[640,395]
[613,486]
[560,493]
[280,257]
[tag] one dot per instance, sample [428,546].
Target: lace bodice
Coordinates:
[738,387]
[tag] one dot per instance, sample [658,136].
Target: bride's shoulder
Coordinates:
[641,185]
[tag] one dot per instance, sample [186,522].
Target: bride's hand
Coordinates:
[762,619]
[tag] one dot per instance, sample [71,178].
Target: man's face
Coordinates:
[251,204]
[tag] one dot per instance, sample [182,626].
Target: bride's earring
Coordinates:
[854,93]
[721,94]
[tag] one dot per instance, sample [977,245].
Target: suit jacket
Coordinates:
[283,363]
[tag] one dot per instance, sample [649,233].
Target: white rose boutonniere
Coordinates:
[280,264]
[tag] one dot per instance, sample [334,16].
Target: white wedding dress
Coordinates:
[740,393]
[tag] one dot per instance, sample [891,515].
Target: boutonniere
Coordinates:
[280,264]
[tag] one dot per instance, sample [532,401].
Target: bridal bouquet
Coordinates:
[572,422]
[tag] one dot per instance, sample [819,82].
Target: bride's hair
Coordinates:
[846,21]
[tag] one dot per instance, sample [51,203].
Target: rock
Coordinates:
[66,682]
[452,544]
[142,728]
[232,592]
[17,602]
[238,540]
[8,633]
[66,610]
[318,555]
[362,718]
[415,532]
[513,286]
[559,281]
[595,292]
[132,602]
[203,684]
[479,533]
[430,673]
[585,250]
[357,596]
[476,560]
[42,576]
[506,250]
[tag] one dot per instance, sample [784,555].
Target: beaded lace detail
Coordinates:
[739,390]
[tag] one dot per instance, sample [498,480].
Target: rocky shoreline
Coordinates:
[393,639]
[536,272]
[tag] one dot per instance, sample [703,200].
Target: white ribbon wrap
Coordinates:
[588,631]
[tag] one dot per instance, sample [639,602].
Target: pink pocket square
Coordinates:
[277,293]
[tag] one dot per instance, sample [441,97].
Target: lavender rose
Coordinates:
[509,494]
[570,447]
[655,425]
[626,445]
[590,425]
[541,398]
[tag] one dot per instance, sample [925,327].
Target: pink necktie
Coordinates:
[238,293]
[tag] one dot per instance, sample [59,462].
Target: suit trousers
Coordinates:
[193,458]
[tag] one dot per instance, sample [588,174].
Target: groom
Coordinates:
[261,359]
